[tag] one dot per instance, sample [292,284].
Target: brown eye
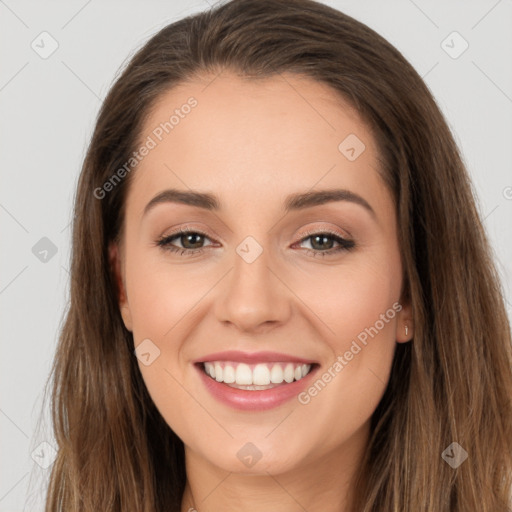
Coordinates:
[191,242]
[322,243]
[194,239]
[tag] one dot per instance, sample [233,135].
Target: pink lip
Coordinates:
[255,400]
[255,357]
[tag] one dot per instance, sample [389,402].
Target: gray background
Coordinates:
[47,111]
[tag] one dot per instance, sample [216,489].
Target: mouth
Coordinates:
[258,385]
[255,377]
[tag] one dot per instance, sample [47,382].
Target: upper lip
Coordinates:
[253,357]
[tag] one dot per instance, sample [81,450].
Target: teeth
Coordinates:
[289,374]
[276,374]
[243,374]
[229,375]
[261,374]
[218,372]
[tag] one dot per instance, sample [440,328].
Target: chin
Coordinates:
[254,458]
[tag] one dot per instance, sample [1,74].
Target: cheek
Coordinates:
[159,302]
[366,296]
[159,295]
[351,297]
[358,307]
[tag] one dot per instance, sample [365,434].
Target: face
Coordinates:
[291,284]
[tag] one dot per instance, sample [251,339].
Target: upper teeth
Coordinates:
[259,374]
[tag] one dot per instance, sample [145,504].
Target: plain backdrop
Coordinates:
[48,105]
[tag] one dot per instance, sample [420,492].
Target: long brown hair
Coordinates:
[451,383]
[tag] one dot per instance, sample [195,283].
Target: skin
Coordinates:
[252,143]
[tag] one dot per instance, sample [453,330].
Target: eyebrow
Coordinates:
[293,202]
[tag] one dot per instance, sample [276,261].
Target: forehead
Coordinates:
[255,139]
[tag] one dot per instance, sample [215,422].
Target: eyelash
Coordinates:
[344,244]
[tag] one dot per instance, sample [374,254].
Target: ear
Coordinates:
[404,319]
[117,270]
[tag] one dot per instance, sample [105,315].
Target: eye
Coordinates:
[321,243]
[190,240]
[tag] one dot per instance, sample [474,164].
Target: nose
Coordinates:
[254,297]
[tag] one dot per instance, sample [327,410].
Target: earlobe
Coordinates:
[405,324]
[115,267]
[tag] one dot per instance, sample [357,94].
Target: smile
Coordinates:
[255,376]
[255,387]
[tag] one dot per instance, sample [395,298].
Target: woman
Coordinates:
[282,294]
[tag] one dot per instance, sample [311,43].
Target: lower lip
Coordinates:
[255,400]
